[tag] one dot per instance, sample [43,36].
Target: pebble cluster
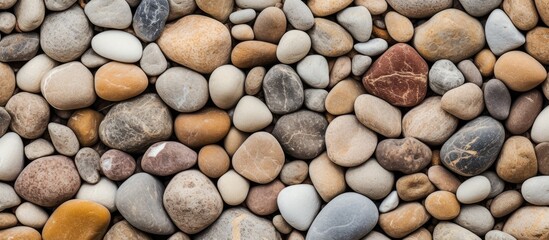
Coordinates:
[274,119]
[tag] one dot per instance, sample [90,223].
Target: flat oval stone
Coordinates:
[299,205]
[68,86]
[260,158]
[226,85]
[370,179]
[358,21]
[517,160]
[19,47]
[125,123]
[233,188]
[506,203]
[294,172]
[116,81]
[399,76]
[534,43]
[497,99]
[256,5]
[348,216]
[8,22]
[85,125]
[378,115]
[9,197]
[498,235]
[283,89]
[207,126]
[314,71]
[533,188]
[91,59]
[8,220]
[400,28]
[315,99]
[242,16]
[63,138]
[11,156]
[29,14]
[87,162]
[407,155]
[117,45]
[519,71]
[106,187]
[21,232]
[474,148]
[250,226]
[327,177]
[149,19]
[141,190]
[262,199]
[404,220]
[418,8]
[539,131]
[123,229]
[30,114]
[470,71]
[349,151]
[443,179]
[414,186]
[109,13]
[298,14]
[167,158]
[373,47]
[192,201]
[473,190]
[117,165]
[38,148]
[249,54]
[450,230]
[48,181]
[242,32]
[329,39]
[443,205]
[182,89]
[31,215]
[213,161]
[429,123]
[340,100]
[522,13]
[30,75]
[479,8]
[464,102]
[251,114]
[476,219]
[537,218]
[444,76]
[301,134]
[294,46]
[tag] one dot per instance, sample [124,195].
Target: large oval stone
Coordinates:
[399,76]
[260,158]
[149,19]
[348,142]
[529,222]
[283,89]
[167,158]
[134,125]
[301,134]
[329,39]
[248,226]
[474,148]
[19,47]
[429,123]
[30,114]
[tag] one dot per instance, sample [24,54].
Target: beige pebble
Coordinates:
[399,27]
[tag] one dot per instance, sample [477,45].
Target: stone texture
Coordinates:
[68,86]
[30,114]
[204,127]
[249,54]
[497,99]
[370,179]
[149,19]
[7,220]
[327,177]
[19,47]
[117,165]
[543,10]
[167,158]
[220,10]
[479,8]
[226,86]
[442,205]
[11,156]
[341,98]
[9,197]
[517,160]
[107,190]
[63,138]
[260,158]
[407,155]
[324,8]
[530,222]
[294,172]
[30,75]
[349,151]
[38,148]
[448,230]
[109,14]
[403,220]
[542,154]
[399,27]
[182,89]
[299,205]
[414,186]
[261,199]
[254,80]
[473,190]
[534,44]
[233,188]
[419,9]
[444,76]
[58,5]
[124,230]
[485,61]
[358,21]
[153,61]
[118,46]
[330,39]
[85,125]
[251,114]
[443,179]
[497,185]
[5,120]
[116,81]
[476,219]
[298,14]
[501,34]
[87,162]
[294,46]
[248,226]
[378,115]
[519,71]
[7,80]
[498,235]
[270,25]
[180,8]
[540,131]
[464,102]
[522,13]
[20,232]
[429,123]
[471,73]
[533,190]
[283,89]
[213,161]
[506,203]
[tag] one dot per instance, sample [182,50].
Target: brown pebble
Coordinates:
[261,199]
[485,60]
[204,127]
[281,225]
[117,165]
[85,125]
[249,54]
[542,154]
[404,220]
[294,172]
[517,160]
[442,205]
[443,179]
[414,186]
[506,203]
[7,220]
[524,111]
[213,161]
[270,25]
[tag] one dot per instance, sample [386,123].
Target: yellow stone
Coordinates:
[485,61]
[85,125]
[519,71]
[116,81]
[20,233]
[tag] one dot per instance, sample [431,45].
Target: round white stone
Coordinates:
[293,46]
[540,129]
[299,205]
[30,75]
[534,190]
[226,86]
[242,16]
[389,203]
[473,190]
[233,188]
[251,115]
[103,192]
[31,215]
[117,45]
[11,156]
[314,71]
[373,47]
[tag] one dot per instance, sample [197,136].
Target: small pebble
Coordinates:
[473,190]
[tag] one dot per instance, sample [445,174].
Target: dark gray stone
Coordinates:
[348,216]
[315,98]
[407,155]
[497,99]
[135,124]
[149,19]
[301,134]
[139,200]
[250,227]
[19,47]
[474,148]
[87,164]
[283,89]
[5,120]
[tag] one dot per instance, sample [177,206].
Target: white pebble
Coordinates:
[473,190]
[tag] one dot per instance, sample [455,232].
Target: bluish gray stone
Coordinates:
[149,19]
[501,35]
[349,216]
[301,134]
[497,99]
[139,200]
[8,198]
[444,76]
[474,148]
[18,47]
[283,89]
[250,227]
[479,8]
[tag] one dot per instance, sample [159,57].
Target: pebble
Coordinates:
[38,148]
[407,155]
[31,74]
[219,10]
[7,220]
[249,54]
[8,83]
[349,151]
[242,32]
[68,86]
[542,151]
[8,22]
[498,235]
[124,124]
[315,99]
[207,126]
[442,205]
[213,161]
[283,89]
[533,190]
[149,19]
[182,89]
[87,162]
[153,62]
[30,114]
[254,80]
[373,47]
[399,27]
[534,44]
[117,165]
[519,71]
[293,46]
[91,59]
[420,234]
[19,47]
[256,5]
[298,14]
[517,160]
[340,70]
[543,10]
[109,14]
[294,172]
[370,179]
[404,220]
[330,39]
[11,156]
[444,76]
[327,177]
[226,86]
[460,36]
[233,188]
[251,114]
[376,7]
[403,73]
[6,4]
[116,81]
[448,230]
[168,158]
[419,9]
[234,140]
[473,190]
[48,181]
[470,72]
[77,33]
[58,5]
[29,14]
[324,7]
[299,205]
[301,134]
[474,148]
[177,8]
[21,232]
[476,219]
[341,98]
[118,46]
[103,192]
[360,64]
[506,203]
[497,99]
[85,125]
[9,198]
[249,226]
[389,203]
[123,229]
[349,215]
[358,21]
[31,215]
[540,131]
[479,8]
[443,179]
[464,102]
[485,60]
[532,216]
[270,25]
[63,138]
[414,186]
[496,184]
[77,219]
[5,120]
[522,13]
[142,189]
[429,123]
[262,199]
[242,16]
[281,225]
[260,158]
[501,34]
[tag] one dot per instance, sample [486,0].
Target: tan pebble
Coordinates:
[281,225]
[399,27]
[233,140]
[327,177]
[435,158]
[270,25]
[536,43]
[259,159]
[443,179]
[213,161]
[530,222]
[85,124]
[485,61]
[517,160]
[20,233]
[383,34]
[404,220]
[543,10]
[506,203]
[340,70]
[204,127]
[249,54]
[124,230]
[329,39]
[294,172]
[220,10]
[254,80]
[420,234]
[519,71]
[376,7]
[7,220]
[414,186]
[522,13]
[327,7]
[341,98]
[442,205]
[464,102]
[295,235]
[7,81]
[242,32]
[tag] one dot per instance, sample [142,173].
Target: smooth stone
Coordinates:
[448,230]
[471,73]
[443,179]
[125,123]
[485,61]
[506,203]
[207,126]
[476,219]
[327,177]
[529,222]
[149,19]
[182,89]
[358,21]
[5,120]
[153,62]
[7,22]
[48,181]
[58,5]
[378,115]
[29,14]
[349,151]
[543,10]
[19,47]
[399,27]
[8,220]
[299,205]
[534,44]
[259,159]
[418,8]
[30,114]
[497,99]
[420,234]
[458,36]
[63,138]
[444,76]
[293,46]
[233,188]
[370,179]
[301,134]
[498,235]
[122,230]
[168,158]
[6,4]
[542,153]
[376,7]
[255,4]
[85,125]
[9,197]
[414,186]
[496,184]
[341,98]
[116,81]
[226,85]
[31,215]
[517,160]
[242,16]
[533,190]
[389,203]
[140,190]
[540,129]
[11,156]
[262,199]
[501,34]
[251,115]
[283,89]
[213,161]
[404,220]
[192,201]
[31,74]
[519,71]
[298,14]
[473,190]
[474,148]
[8,81]
[234,140]
[360,64]
[281,225]
[38,148]
[197,34]
[479,8]
[340,70]
[373,47]
[249,226]
[109,14]
[399,76]
[464,102]
[294,172]
[91,59]
[348,216]
[117,165]
[324,8]
[77,33]
[407,155]
[314,99]
[270,25]
[118,46]
[522,13]
[249,54]
[20,232]
[242,32]
[429,123]
[220,10]
[102,192]
[68,86]
[178,8]
[87,162]
[375,235]
[330,39]
[442,205]
[254,80]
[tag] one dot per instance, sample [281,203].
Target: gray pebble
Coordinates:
[5,120]
[496,184]
[242,16]
[149,19]
[497,99]
[7,22]
[452,231]
[444,76]
[501,35]
[19,47]
[8,198]
[301,134]
[360,64]
[183,89]
[314,71]
[498,235]
[249,227]
[58,5]
[5,4]
[298,14]
[479,8]
[38,148]
[373,47]
[63,138]
[153,62]
[358,21]
[315,98]
[178,8]
[109,13]
[470,72]
[476,219]
[91,59]
[283,89]
[87,162]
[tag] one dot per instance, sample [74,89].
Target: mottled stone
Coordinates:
[407,155]
[19,47]
[542,154]
[444,76]
[448,230]
[378,115]
[283,89]
[471,73]
[153,61]
[517,160]
[270,25]
[220,10]
[167,158]
[315,99]
[7,220]
[5,120]
[414,186]
[8,82]
[58,5]
[204,127]
[180,8]
[249,54]
[248,226]
[85,125]
[479,8]
[519,71]
[326,7]
[403,220]
[260,158]
[149,19]
[429,123]
[298,14]
[254,80]
[535,46]
[522,13]
[301,134]
[63,138]
[20,232]
[418,8]
[261,199]
[182,89]
[294,172]
[506,203]
[329,39]
[29,14]
[476,219]
[124,230]
[109,14]
[358,21]
[117,165]
[38,148]
[30,114]
[87,162]
[530,222]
